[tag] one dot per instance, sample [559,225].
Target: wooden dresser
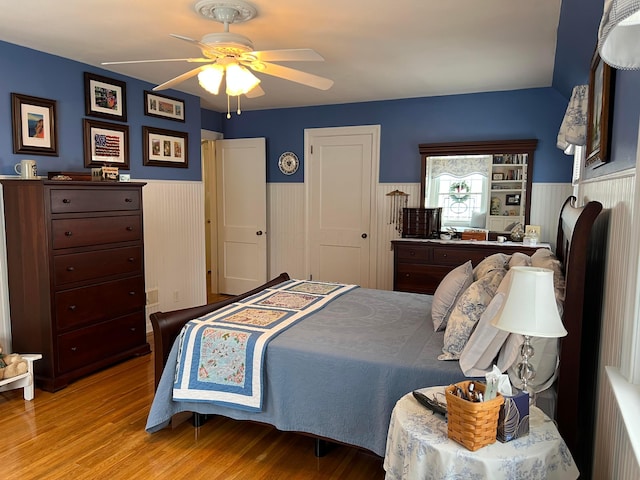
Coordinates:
[419,265]
[76,275]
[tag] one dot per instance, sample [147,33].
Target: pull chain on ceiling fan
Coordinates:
[231,56]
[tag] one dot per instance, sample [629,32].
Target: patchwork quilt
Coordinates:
[221,355]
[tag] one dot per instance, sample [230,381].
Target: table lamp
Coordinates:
[530,310]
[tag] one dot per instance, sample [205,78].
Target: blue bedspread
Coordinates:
[339,372]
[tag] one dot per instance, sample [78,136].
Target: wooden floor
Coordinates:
[94,429]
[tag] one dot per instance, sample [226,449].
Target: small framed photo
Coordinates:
[512,199]
[164,148]
[34,125]
[163,106]
[105,97]
[106,144]
[599,112]
[498,176]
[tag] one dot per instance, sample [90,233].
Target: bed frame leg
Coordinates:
[199,419]
[323,447]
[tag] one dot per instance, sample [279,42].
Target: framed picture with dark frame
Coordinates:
[599,112]
[512,199]
[163,106]
[105,97]
[165,148]
[105,144]
[34,125]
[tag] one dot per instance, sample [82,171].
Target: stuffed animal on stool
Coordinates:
[11,365]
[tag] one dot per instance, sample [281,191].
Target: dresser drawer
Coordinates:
[418,278]
[78,267]
[457,256]
[69,200]
[412,253]
[96,343]
[99,302]
[80,232]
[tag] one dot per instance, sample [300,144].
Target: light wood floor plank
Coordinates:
[94,429]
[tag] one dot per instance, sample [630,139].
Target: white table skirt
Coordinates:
[418,448]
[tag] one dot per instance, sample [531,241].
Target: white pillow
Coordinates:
[492,262]
[467,312]
[448,292]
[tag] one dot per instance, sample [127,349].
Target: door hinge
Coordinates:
[311,149]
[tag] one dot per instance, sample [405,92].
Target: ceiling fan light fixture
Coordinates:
[210,78]
[240,80]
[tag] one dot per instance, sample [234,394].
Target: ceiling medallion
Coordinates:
[235,11]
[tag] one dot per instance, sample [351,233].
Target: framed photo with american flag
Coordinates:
[106,144]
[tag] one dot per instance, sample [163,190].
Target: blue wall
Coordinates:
[520,114]
[37,74]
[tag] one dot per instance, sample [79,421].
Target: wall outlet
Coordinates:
[152,296]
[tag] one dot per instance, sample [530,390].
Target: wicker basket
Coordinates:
[472,424]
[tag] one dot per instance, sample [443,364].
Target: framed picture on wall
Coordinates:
[164,148]
[106,144]
[105,97]
[599,112]
[34,125]
[163,106]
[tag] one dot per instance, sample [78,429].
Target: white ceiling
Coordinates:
[373,49]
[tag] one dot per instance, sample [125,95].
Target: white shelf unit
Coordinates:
[22,381]
[508,192]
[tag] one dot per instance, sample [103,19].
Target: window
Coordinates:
[460,198]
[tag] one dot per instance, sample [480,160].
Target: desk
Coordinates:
[418,448]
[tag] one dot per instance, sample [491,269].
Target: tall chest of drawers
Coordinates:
[75,257]
[420,265]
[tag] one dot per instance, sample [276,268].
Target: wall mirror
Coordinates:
[483,185]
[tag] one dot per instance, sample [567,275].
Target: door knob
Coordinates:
[364,235]
[259,232]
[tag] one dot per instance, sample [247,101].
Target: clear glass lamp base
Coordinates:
[525,370]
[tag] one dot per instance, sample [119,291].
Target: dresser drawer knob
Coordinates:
[66,200]
[71,269]
[128,200]
[444,255]
[412,253]
[68,234]
[74,349]
[131,259]
[129,229]
[133,329]
[407,275]
[73,308]
[132,293]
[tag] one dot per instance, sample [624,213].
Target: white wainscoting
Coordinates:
[174,245]
[613,453]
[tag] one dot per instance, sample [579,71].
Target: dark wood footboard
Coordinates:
[167,325]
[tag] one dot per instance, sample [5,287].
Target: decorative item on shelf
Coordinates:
[459,191]
[82,176]
[104,174]
[496,205]
[530,310]
[399,201]
[531,234]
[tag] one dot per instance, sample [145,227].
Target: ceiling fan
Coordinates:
[229,54]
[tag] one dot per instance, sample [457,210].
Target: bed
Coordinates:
[337,373]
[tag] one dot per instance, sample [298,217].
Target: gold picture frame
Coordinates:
[599,112]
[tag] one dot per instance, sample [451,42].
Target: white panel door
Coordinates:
[242,214]
[340,176]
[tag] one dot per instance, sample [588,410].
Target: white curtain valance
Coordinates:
[573,130]
[459,166]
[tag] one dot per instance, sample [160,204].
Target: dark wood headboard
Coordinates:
[577,246]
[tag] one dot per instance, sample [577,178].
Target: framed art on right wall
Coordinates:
[599,112]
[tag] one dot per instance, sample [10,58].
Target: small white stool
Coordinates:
[22,381]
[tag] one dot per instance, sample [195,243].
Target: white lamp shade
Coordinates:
[210,78]
[530,307]
[619,34]
[240,80]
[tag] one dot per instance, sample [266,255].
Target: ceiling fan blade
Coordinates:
[191,60]
[179,78]
[255,92]
[191,40]
[287,55]
[291,74]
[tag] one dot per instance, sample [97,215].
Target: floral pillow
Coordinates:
[467,312]
[448,292]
